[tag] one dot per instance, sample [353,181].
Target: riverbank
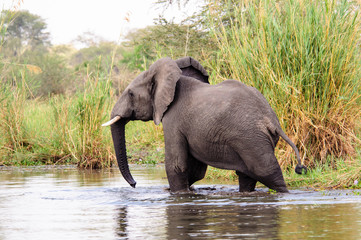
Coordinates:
[347,175]
[344,175]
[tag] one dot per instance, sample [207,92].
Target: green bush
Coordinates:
[53,76]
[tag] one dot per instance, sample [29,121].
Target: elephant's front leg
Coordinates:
[176,156]
[178,179]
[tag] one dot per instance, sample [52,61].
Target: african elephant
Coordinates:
[229,125]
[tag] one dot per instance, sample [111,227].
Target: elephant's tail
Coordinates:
[299,166]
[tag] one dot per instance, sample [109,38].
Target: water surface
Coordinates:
[67,203]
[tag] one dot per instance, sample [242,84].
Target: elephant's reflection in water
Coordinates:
[202,221]
[141,222]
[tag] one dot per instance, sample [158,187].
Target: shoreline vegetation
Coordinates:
[303,55]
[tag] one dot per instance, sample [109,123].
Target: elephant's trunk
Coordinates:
[118,135]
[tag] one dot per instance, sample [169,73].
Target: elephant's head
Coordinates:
[147,98]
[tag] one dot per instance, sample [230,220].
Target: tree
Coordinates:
[24,31]
[165,39]
[88,39]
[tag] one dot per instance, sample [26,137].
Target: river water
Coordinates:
[67,203]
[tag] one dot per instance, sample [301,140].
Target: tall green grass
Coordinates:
[304,56]
[90,108]
[21,136]
[12,129]
[77,122]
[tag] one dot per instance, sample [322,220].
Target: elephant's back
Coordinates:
[230,98]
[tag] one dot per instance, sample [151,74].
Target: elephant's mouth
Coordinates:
[133,116]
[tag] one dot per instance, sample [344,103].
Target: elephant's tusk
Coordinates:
[113,120]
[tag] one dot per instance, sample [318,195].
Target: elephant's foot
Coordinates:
[178,181]
[179,188]
[246,184]
[183,192]
[282,190]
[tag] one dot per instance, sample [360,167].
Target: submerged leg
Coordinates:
[246,184]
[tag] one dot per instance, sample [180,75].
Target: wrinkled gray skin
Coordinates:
[229,126]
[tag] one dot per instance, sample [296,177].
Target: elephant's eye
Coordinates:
[131,94]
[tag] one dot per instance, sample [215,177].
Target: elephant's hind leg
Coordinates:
[275,181]
[271,174]
[246,184]
[263,166]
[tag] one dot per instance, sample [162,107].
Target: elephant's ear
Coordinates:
[192,68]
[165,74]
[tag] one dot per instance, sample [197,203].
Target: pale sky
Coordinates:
[110,19]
